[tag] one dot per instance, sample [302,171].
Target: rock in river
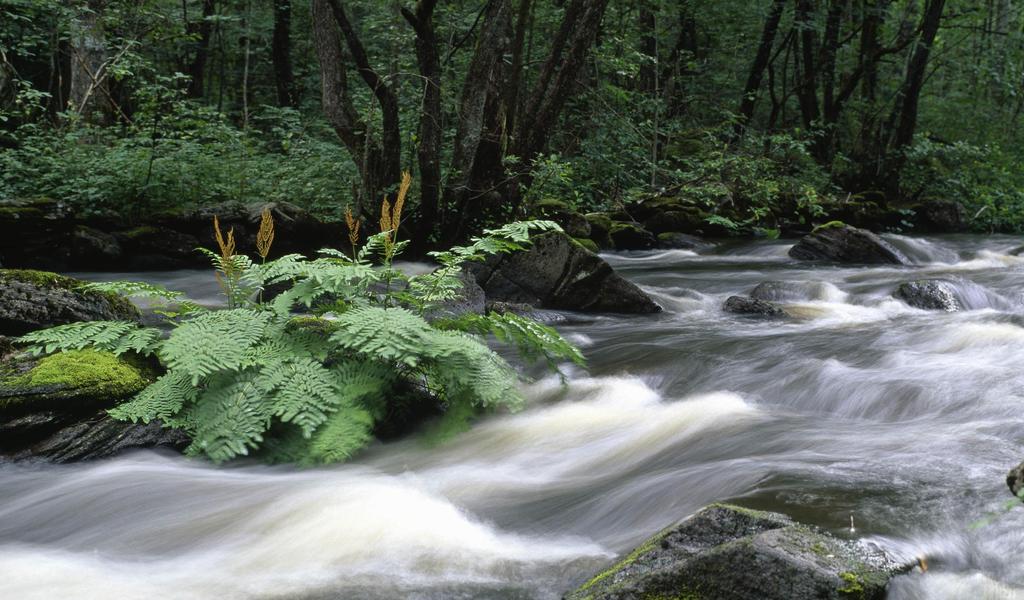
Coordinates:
[1015,479]
[31,300]
[742,305]
[838,242]
[54,408]
[929,294]
[557,273]
[730,553]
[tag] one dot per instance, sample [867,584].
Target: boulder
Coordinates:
[683,241]
[929,294]
[791,291]
[554,272]
[571,221]
[1015,479]
[91,247]
[31,300]
[54,408]
[726,552]
[600,225]
[631,236]
[742,305]
[838,242]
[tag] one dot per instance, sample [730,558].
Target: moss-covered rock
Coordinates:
[55,408]
[631,236]
[587,244]
[600,225]
[31,300]
[71,379]
[728,552]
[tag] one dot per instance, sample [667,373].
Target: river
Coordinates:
[857,406]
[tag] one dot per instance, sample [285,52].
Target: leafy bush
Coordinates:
[311,389]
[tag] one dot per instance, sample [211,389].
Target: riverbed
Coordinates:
[857,410]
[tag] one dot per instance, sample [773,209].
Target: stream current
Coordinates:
[856,406]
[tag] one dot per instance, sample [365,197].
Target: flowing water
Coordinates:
[856,406]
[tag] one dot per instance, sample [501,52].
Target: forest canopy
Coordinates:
[762,114]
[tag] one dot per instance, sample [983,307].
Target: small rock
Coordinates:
[929,294]
[838,242]
[940,216]
[742,305]
[730,553]
[1015,479]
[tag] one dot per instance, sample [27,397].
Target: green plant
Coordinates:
[256,377]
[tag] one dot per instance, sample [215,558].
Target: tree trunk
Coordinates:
[430,127]
[88,49]
[761,59]
[807,77]
[197,69]
[281,54]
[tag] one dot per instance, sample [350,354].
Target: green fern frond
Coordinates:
[531,339]
[213,342]
[230,416]
[388,334]
[149,291]
[113,336]
[303,392]
[346,431]
[162,400]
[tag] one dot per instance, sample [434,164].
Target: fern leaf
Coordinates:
[230,417]
[213,342]
[113,336]
[161,400]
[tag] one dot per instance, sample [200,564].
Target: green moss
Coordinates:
[853,586]
[40,278]
[601,220]
[553,205]
[75,374]
[138,232]
[829,225]
[586,244]
[622,226]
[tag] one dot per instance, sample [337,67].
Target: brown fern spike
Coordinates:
[227,250]
[353,230]
[403,191]
[265,236]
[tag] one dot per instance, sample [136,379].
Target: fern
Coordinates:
[253,378]
[157,294]
[213,342]
[113,336]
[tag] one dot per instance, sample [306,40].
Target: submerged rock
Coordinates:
[31,300]
[557,273]
[742,305]
[726,552]
[786,291]
[929,294]
[839,242]
[54,408]
[1015,479]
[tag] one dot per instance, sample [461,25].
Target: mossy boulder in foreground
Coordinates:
[31,300]
[54,408]
[726,552]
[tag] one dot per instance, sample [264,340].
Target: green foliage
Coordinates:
[254,377]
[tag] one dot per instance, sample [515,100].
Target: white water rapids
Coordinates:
[858,405]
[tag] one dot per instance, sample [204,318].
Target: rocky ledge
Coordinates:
[726,552]
[54,408]
[31,300]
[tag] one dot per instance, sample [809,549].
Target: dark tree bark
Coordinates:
[516,70]
[197,68]
[576,35]
[648,47]
[761,60]
[807,75]
[281,54]
[378,160]
[430,127]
